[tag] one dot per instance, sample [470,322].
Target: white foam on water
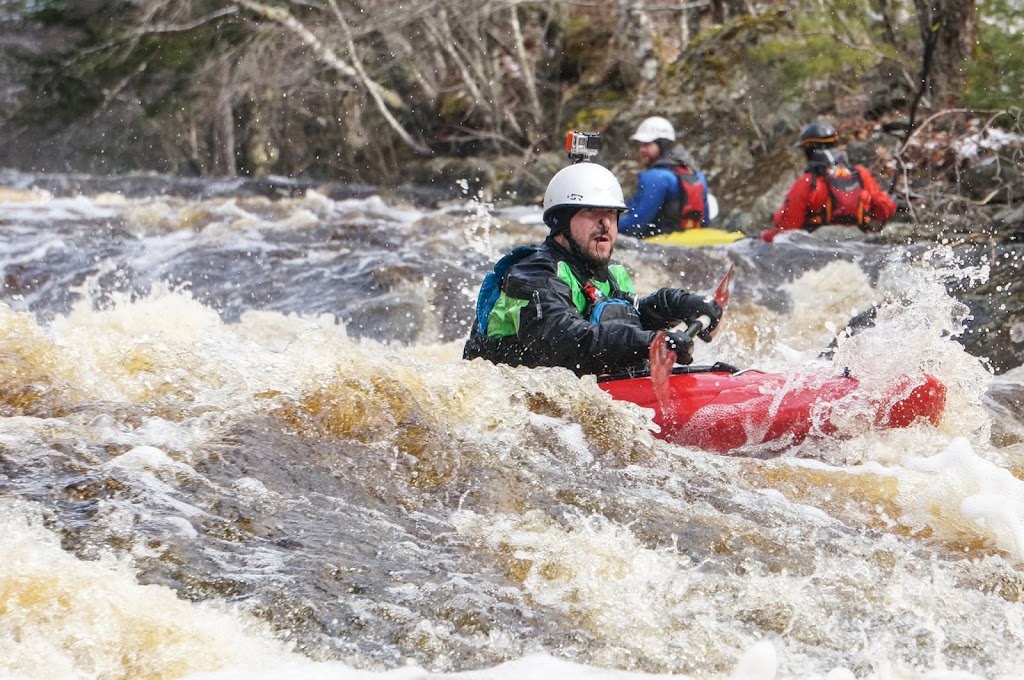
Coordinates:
[944,487]
[42,207]
[587,562]
[823,301]
[756,665]
[168,346]
[376,207]
[963,497]
[65,618]
[73,618]
[70,619]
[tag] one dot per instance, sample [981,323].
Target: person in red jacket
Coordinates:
[831,190]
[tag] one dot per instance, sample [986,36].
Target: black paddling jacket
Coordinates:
[542,306]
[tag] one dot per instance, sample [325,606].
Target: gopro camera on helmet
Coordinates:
[582,145]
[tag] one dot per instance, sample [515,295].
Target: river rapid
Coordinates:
[238,441]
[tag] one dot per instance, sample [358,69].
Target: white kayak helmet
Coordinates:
[654,128]
[583,185]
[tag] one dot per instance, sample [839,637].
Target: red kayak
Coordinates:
[719,410]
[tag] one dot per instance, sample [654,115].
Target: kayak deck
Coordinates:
[695,238]
[723,411]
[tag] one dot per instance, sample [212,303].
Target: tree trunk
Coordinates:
[886,10]
[224,126]
[948,30]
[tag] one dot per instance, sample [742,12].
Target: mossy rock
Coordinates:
[592,119]
[455,177]
[524,180]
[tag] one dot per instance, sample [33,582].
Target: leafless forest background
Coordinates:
[378,91]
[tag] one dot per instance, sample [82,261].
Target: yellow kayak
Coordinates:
[693,238]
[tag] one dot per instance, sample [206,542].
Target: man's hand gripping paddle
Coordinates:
[663,359]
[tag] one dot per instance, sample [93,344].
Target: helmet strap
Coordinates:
[568,243]
[811,149]
[558,220]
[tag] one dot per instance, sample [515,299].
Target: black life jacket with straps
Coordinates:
[617,306]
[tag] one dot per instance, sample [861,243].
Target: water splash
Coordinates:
[382,508]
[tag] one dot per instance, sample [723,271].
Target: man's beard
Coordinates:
[594,262]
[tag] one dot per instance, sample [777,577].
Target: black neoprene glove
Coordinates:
[691,306]
[681,344]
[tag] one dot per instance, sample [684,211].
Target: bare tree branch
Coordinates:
[372,87]
[526,67]
[284,18]
[382,96]
[191,25]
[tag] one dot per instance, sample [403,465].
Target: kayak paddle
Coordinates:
[662,359]
[721,296]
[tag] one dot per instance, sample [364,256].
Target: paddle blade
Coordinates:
[662,359]
[721,293]
[721,296]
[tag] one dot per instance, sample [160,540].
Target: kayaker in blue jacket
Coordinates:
[565,303]
[671,195]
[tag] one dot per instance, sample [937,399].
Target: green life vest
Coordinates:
[592,298]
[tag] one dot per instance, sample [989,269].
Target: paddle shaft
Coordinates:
[702,322]
[721,296]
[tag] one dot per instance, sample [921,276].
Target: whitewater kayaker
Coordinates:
[565,303]
[831,190]
[671,195]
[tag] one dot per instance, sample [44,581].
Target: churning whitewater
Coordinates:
[238,441]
